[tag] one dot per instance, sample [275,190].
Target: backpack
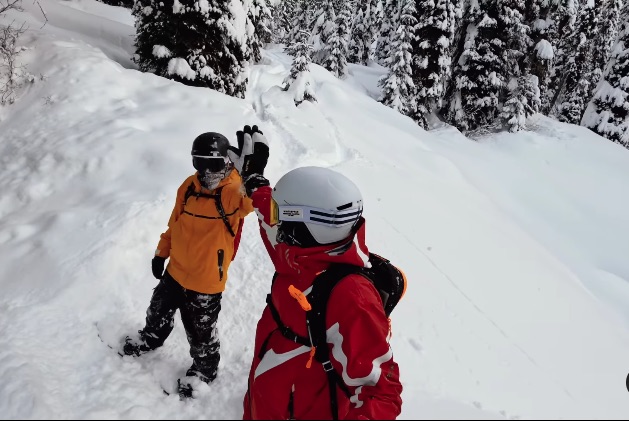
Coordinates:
[388,280]
[221,211]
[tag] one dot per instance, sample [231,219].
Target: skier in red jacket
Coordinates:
[309,220]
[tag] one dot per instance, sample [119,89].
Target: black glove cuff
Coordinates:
[255,181]
[157,266]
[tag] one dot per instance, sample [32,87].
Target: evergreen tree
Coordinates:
[398,90]
[564,38]
[522,93]
[253,41]
[299,81]
[390,22]
[518,40]
[481,73]
[356,45]
[604,39]
[301,21]
[363,32]
[336,48]
[376,16]
[190,43]
[260,16]
[431,55]
[578,82]
[462,16]
[462,19]
[608,111]
[541,53]
[282,15]
[324,26]
[340,5]
[153,35]
[523,101]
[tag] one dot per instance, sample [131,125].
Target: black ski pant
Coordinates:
[199,314]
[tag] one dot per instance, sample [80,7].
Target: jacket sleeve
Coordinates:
[358,330]
[245,208]
[261,198]
[240,199]
[163,247]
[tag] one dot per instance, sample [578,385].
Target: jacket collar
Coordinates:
[306,263]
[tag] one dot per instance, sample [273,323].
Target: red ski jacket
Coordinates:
[280,386]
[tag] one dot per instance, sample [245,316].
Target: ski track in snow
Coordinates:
[274,63]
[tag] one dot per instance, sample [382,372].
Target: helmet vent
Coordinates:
[345,206]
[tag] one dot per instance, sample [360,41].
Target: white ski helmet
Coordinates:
[328,203]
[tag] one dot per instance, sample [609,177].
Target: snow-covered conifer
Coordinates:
[608,112]
[398,90]
[195,43]
[575,91]
[481,73]
[299,81]
[431,55]
[336,48]
[390,22]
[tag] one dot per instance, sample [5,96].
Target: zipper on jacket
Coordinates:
[221,256]
[291,404]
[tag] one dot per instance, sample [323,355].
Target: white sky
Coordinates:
[515,246]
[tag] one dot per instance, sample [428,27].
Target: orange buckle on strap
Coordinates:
[312,353]
[300,297]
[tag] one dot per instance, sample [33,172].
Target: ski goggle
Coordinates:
[210,163]
[297,213]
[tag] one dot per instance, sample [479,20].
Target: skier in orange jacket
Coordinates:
[201,241]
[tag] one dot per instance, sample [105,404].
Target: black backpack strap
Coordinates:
[189,193]
[285,330]
[221,211]
[316,320]
[217,200]
[318,297]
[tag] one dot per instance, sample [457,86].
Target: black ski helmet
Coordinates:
[209,152]
[208,144]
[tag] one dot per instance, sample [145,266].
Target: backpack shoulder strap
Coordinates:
[318,298]
[189,193]
[217,200]
[221,210]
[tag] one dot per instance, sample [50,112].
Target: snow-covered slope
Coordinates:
[515,246]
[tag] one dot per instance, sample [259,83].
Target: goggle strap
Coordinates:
[313,215]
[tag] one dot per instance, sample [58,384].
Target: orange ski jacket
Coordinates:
[197,240]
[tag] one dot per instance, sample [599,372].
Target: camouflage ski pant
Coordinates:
[199,314]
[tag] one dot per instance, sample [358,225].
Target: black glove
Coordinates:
[257,163]
[252,153]
[158,267]
[253,182]
[244,151]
